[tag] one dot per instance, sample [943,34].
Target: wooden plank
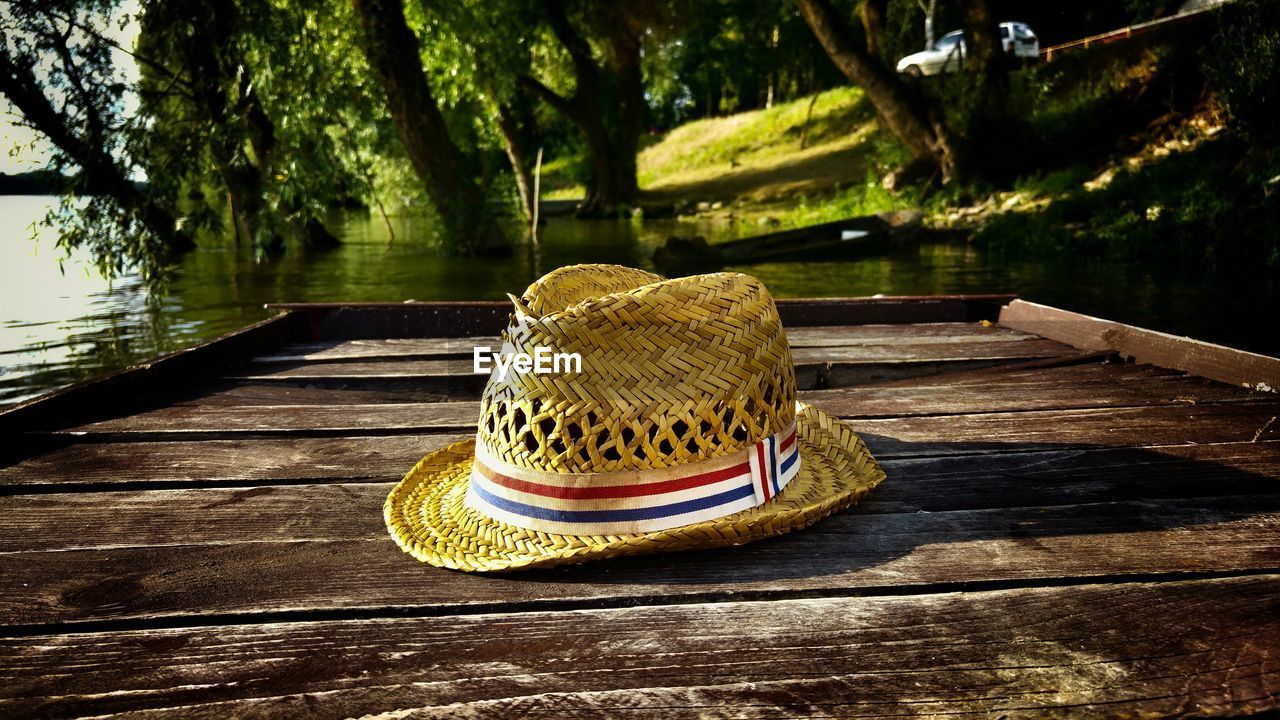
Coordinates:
[60,521]
[1091,385]
[967,433]
[812,356]
[393,348]
[129,386]
[231,393]
[292,456]
[1063,477]
[1145,346]
[278,459]
[349,321]
[1204,647]
[822,336]
[379,418]
[1055,388]
[890,309]
[1104,427]
[270,550]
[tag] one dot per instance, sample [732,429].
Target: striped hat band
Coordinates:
[634,501]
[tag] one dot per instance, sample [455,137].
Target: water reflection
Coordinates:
[56,328]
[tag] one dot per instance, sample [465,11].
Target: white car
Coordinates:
[947,55]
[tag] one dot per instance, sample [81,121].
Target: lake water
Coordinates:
[57,327]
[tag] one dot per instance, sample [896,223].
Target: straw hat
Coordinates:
[680,430]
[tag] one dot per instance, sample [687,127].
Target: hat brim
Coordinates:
[427,516]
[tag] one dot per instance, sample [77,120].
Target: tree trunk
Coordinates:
[930,10]
[994,134]
[984,52]
[262,137]
[215,64]
[607,107]
[392,51]
[100,173]
[901,110]
[519,136]
[874,14]
[631,109]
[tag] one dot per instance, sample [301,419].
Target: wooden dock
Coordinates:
[1080,518]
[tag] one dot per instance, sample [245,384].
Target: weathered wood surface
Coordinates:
[1145,346]
[876,402]
[1202,648]
[1058,535]
[288,456]
[898,353]
[258,551]
[955,333]
[121,388]
[350,321]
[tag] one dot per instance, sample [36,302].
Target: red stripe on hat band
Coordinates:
[764,469]
[611,491]
[791,439]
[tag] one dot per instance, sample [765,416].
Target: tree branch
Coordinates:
[584,64]
[93,33]
[561,104]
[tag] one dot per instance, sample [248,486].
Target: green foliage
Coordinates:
[64,46]
[726,55]
[1202,206]
[761,134]
[1241,63]
[863,198]
[1053,183]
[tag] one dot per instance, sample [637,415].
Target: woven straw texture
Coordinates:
[426,515]
[673,372]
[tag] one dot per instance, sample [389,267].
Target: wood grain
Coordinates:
[1202,648]
[76,462]
[351,511]
[1073,387]
[289,457]
[347,321]
[1088,382]
[1113,530]
[1145,346]
[411,366]
[806,337]
[256,551]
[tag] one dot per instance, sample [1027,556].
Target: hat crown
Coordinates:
[672,372]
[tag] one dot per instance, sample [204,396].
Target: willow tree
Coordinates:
[906,113]
[983,141]
[607,103]
[393,54]
[478,51]
[57,72]
[234,131]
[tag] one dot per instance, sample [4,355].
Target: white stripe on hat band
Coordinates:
[627,502]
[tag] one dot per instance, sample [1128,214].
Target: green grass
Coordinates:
[754,138]
[754,156]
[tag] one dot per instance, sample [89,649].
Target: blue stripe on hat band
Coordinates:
[602,516]
[786,464]
[772,443]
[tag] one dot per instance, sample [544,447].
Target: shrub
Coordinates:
[1241,63]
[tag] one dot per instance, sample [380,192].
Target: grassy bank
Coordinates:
[778,155]
[1138,157]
